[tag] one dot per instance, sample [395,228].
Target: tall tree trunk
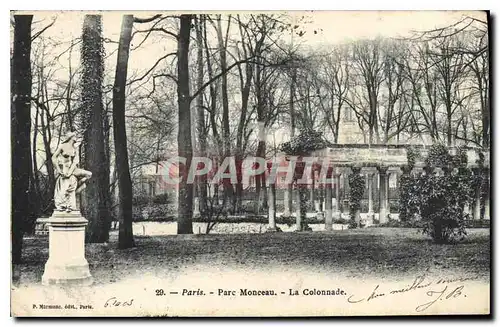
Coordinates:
[184,146]
[260,180]
[21,125]
[96,203]
[288,196]
[35,183]
[125,234]
[48,163]
[449,129]
[69,113]
[200,123]
[292,102]
[245,94]
[228,187]
[261,106]
[107,166]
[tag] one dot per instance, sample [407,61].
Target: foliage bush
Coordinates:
[439,200]
[409,208]
[438,156]
[412,155]
[395,223]
[303,144]
[154,212]
[307,141]
[357,188]
[140,200]
[161,198]
[145,200]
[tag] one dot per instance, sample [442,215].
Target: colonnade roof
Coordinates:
[381,155]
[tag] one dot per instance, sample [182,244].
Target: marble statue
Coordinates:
[71,179]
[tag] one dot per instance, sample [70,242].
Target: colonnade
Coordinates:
[377,178]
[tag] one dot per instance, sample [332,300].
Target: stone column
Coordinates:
[301,198]
[357,213]
[196,210]
[487,194]
[370,213]
[388,192]
[328,207]
[477,198]
[317,206]
[67,264]
[477,206]
[466,208]
[370,193]
[345,200]
[271,191]
[336,208]
[382,172]
[287,199]
[312,197]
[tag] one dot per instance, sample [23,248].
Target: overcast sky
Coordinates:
[335,26]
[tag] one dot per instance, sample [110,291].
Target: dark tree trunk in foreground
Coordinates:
[125,235]
[96,208]
[184,146]
[20,137]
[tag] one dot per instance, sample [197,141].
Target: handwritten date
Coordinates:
[114,302]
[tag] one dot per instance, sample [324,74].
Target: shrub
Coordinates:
[394,223]
[140,200]
[409,207]
[154,212]
[160,198]
[248,207]
[357,187]
[308,140]
[438,200]
[412,155]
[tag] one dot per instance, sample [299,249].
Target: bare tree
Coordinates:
[396,114]
[451,70]
[479,65]
[125,236]
[185,150]
[332,84]
[201,129]
[21,126]
[368,73]
[96,206]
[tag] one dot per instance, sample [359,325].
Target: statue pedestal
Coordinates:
[67,264]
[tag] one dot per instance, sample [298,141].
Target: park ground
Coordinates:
[371,252]
[358,262]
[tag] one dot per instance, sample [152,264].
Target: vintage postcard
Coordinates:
[250,164]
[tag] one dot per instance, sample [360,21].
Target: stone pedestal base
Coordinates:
[382,217]
[270,229]
[317,206]
[67,264]
[369,217]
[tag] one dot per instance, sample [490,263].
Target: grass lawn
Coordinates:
[372,252]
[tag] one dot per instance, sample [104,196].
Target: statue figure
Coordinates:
[71,179]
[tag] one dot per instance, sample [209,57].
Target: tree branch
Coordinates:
[42,30]
[216,77]
[152,68]
[157,29]
[146,20]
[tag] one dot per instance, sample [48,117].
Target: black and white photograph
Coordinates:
[250,163]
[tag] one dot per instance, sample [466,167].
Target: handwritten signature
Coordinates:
[419,283]
[457,292]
